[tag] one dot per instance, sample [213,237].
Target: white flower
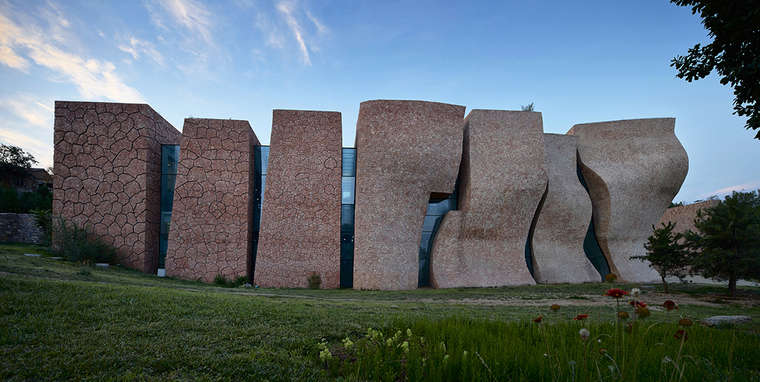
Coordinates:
[584,333]
[635,293]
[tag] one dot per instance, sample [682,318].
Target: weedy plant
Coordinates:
[314,280]
[585,348]
[77,243]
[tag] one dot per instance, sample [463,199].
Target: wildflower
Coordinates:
[347,343]
[580,317]
[584,333]
[685,322]
[446,358]
[409,333]
[464,354]
[325,355]
[389,342]
[681,334]
[638,304]
[623,315]
[669,305]
[442,346]
[322,345]
[405,346]
[635,292]
[602,351]
[616,292]
[642,312]
[610,278]
[538,320]
[554,308]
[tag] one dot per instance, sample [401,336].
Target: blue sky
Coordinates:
[578,62]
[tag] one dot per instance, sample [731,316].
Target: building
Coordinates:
[428,197]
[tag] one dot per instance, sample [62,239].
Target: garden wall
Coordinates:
[20,228]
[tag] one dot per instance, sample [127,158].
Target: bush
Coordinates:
[9,201]
[25,202]
[44,220]
[222,281]
[314,280]
[79,244]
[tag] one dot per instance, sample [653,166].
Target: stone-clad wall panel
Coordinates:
[107,164]
[684,216]
[300,217]
[633,169]
[405,151]
[563,219]
[211,223]
[501,183]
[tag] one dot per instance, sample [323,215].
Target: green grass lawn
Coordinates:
[62,321]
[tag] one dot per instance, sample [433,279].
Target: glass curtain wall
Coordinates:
[261,161]
[169,158]
[347,208]
[437,207]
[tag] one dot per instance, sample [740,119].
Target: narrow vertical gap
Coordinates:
[529,259]
[347,218]
[437,208]
[590,244]
[261,162]
[169,160]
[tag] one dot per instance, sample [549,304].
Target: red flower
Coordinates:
[616,293]
[681,333]
[669,305]
[538,320]
[581,317]
[602,350]
[638,304]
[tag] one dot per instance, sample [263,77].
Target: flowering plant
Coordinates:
[616,293]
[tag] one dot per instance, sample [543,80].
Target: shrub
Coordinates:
[44,220]
[79,244]
[314,280]
[222,281]
[9,201]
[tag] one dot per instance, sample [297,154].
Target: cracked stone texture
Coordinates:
[406,150]
[300,217]
[502,180]
[563,219]
[107,164]
[684,216]
[212,217]
[633,169]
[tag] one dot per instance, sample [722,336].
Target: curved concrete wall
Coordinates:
[633,169]
[300,217]
[502,180]
[405,151]
[563,219]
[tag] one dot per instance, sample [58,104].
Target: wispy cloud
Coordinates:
[136,47]
[750,186]
[30,110]
[94,79]
[295,25]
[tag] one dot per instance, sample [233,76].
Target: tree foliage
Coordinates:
[728,240]
[734,53]
[667,253]
[15,161]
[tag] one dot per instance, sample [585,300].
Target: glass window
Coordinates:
[348,189]
[169,159]
[261,161]
[347,218]
[349,162]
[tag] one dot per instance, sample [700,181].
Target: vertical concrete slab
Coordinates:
[633,169]
[406,150]
[563,219]
[107,164]
[211,225]
[502,180]
[300,217]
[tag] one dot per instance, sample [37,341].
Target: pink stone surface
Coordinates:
[211,225]
[684,216]
[633,169]
[300,217]
[406,150]
[502,180]
[563,219]
[107,164]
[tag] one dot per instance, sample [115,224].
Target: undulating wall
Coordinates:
[633,169]
[211,225]
[107,174]
[684,216]
[502,180]
[563,219]
[405,150]
[300,217]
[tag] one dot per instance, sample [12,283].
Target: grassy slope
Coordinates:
[63,321]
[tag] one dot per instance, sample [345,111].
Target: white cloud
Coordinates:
[93,78]
[191,15]
[751,186]
[287,9]
[294,25]
[135,47]
[30,110]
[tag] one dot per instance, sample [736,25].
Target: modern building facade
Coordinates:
[428,197]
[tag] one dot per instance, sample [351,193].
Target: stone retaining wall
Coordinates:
[20,228]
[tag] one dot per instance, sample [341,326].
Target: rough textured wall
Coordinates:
[633,169]
[405,151]
[684,216]
[300,217]
[501,183]
[108,174]
[20,228]
[563,219]
[211,226]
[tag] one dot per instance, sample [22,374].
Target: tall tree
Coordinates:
[667,253]
[728,240]
[734,53]
[15,161]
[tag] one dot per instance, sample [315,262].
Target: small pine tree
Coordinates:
[667,253]
[729,240]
